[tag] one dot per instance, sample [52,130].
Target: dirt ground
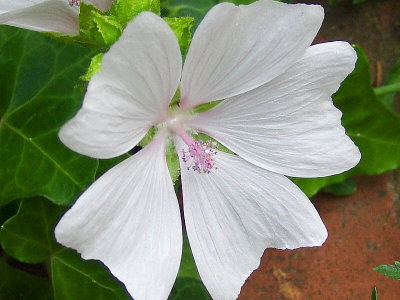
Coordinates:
[364,229]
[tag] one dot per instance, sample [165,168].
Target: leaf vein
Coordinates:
[45,154]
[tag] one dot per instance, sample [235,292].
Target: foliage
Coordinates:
[101,29]
[40,93]
[344,188]
[390,270]
[17,284]
[374,295]
[394,79]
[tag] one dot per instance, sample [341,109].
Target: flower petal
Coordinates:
[236,211]
[129,219]
[47,16]
[290,126]
[130,94]
[103,5]
[6,6]
[238,48]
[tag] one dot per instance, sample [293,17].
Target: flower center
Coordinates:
[199,155]
[74,2]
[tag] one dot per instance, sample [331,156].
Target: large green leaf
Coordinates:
[39,93]
[19,285]
[373,127]
[29,237]
[77,279]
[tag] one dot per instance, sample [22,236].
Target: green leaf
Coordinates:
[28,235]
[108,26]
[187,8]
[39,94]
[394,77]
[374,295]
[126,10]
[77,279]
[101,29]
[96,27]
[18,285]
[89,33]
[390,270]
[188,284]
[181,27]
[7,211]
[94,67]
[344,188]
[311,186]
[373,127]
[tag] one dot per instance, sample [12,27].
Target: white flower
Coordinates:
[278,118]
[46,15]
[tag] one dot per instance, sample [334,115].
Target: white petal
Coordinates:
[233,213]
[290,125]
[129,219]
[47,16]
[6,5]
[103,5]
[130,94]
[238,48]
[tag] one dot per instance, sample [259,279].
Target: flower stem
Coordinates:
[390,88]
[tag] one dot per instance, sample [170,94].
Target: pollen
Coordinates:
[200,156]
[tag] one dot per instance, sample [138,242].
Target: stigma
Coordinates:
[199,156]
